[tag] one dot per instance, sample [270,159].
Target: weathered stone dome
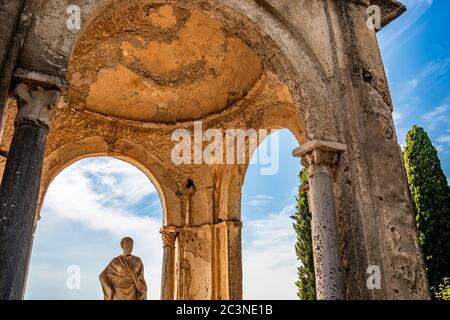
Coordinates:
[159,63]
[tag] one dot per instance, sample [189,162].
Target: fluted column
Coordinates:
[319,158]
[20,186]
[169,236]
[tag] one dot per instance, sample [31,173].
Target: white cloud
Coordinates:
[440,148]
[270,264]
[397,117]
[436,116]
[73,195]
[436,113]
[122,179]
[444,139]
[260,200]
[408,88]
[96,194]
[431,73]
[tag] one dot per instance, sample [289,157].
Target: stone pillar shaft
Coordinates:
[209,260]
[169,235]
[20,186]
[327,260]
[319,159]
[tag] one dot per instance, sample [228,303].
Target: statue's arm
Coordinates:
[108,289]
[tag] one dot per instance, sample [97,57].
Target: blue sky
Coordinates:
[96,201]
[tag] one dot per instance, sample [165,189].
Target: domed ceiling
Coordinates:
[159,63]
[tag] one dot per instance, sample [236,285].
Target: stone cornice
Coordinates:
[319,144]
[320,157]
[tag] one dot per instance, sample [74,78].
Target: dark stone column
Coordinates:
[20,186]
[319,158]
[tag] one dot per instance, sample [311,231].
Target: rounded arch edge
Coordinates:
[61,158]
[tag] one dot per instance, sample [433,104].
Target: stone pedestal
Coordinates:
[20,186]
[319,158]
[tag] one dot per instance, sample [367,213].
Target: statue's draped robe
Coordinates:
[123,279]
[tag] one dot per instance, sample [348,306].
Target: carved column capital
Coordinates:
[169,235]
[320,157]
[36,105]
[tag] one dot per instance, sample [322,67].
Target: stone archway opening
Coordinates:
[129,91]
[88,208]
[269,260]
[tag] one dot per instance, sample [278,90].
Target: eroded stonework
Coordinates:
[159,63]
[137,71]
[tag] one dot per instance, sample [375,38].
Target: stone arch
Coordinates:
[57,160]
[282,50]
[230,206]
[234,176]
[331,66]
[302,103]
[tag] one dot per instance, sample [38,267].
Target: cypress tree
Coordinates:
[303,247]
[431,196]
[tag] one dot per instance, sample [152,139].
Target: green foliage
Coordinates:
[431,195]
[303,247]
[443,292]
